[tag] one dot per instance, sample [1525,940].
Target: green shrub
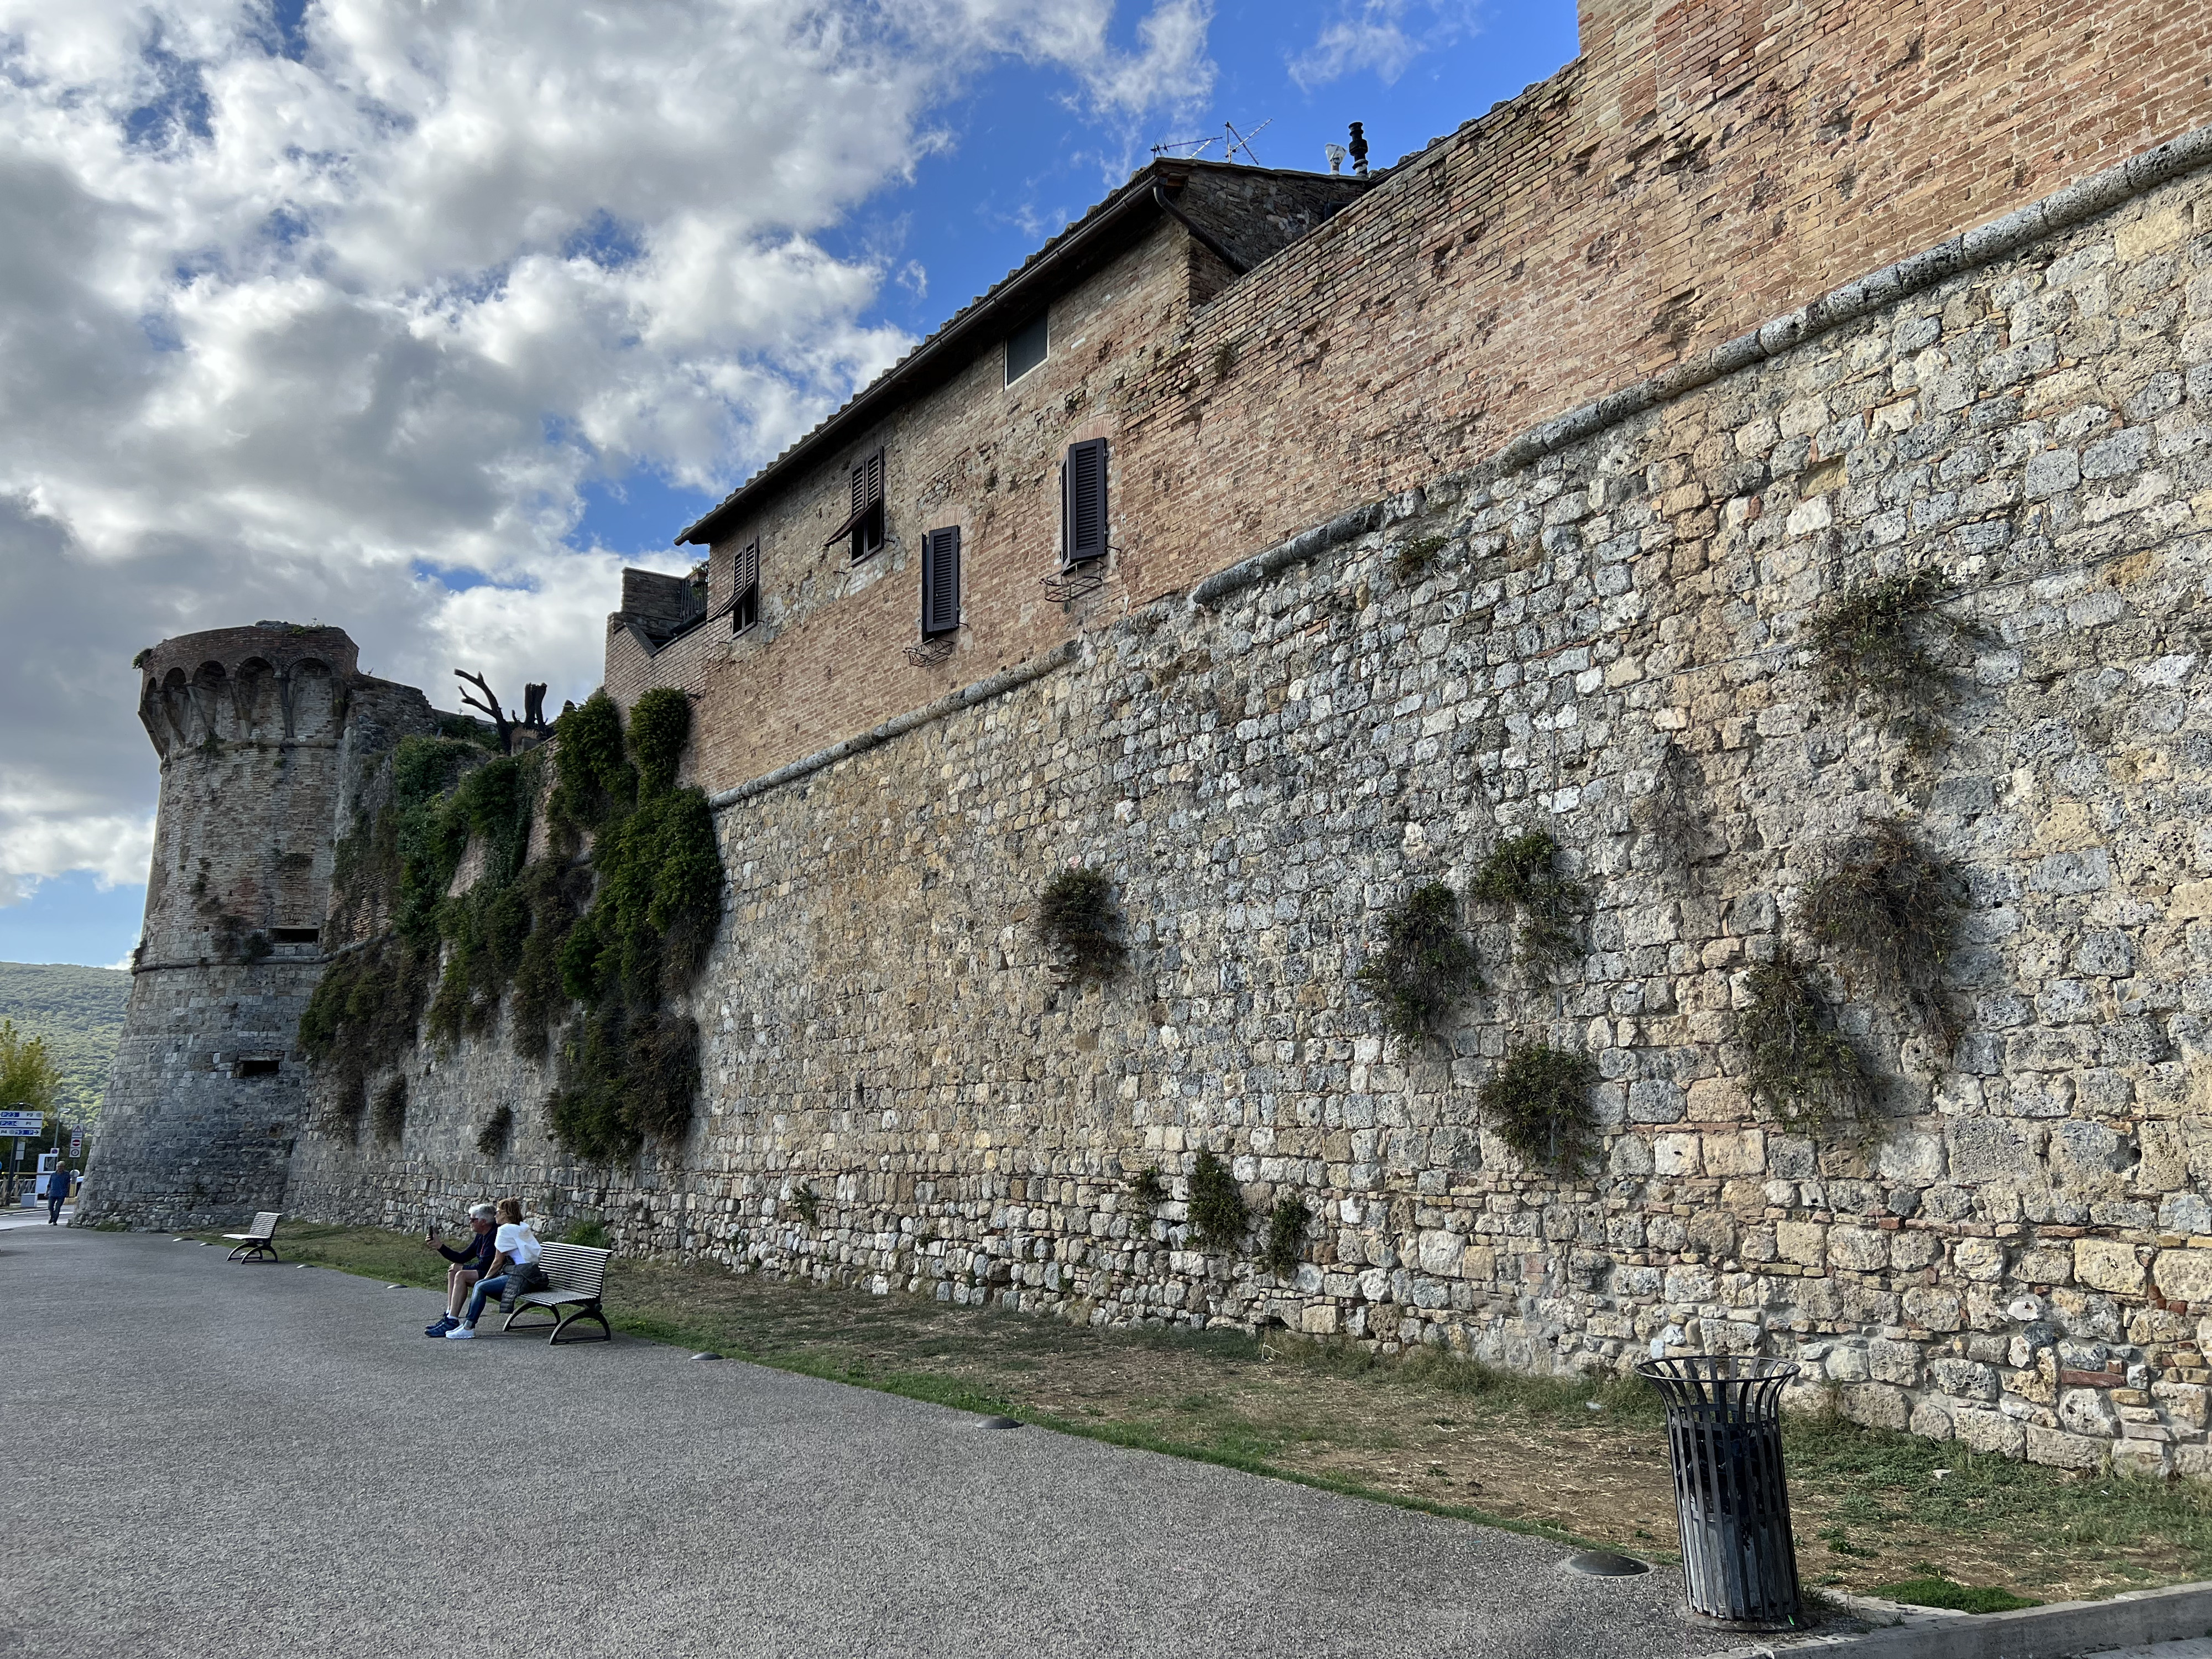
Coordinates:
[1888,902]
[1518,871]
[591,1234]
[1802,1069]
[1218,1219]
[1426,964]
[1076,921]
[1538,1104]
[498,1130]
[595,777]
[807,1202]
[660,726]
[1286,1236]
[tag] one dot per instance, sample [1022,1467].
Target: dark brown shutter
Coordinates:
[873,468]
[744,588]
[940,582]
[1083,489]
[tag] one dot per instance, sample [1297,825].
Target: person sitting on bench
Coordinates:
[469,1265]
[514,1269]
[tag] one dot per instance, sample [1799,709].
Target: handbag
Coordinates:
[521,1281]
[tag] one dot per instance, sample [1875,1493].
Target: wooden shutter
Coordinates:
[1083,491]
[940,582]
[744,588]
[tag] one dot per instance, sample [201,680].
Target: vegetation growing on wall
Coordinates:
[807,1202]
[1147,1193]
[1426,964]
[618,915]
[498,1130]
[1286,1236]
[1414,560]
[1538,1104]
[1895,906]
[1519,872]
[1872,640]
[1076,922]
[1801,1069]
[1218,1219]
[390,1121]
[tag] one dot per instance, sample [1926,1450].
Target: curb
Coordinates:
[2061,1630]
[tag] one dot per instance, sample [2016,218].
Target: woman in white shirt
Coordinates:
[515,1268]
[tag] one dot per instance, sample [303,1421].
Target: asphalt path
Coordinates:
[208,1459]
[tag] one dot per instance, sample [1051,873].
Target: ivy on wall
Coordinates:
[585,947]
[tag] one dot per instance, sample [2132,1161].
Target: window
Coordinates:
[940,582]
[744,589]
[865,523]
[1024,350]
[258,1066]
[295,935]
[1082,502]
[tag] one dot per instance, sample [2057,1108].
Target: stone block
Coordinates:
[1878,1406]
[2183,1275]
[2107,1264]
[2059,1450]
[1989,1431]
[1893,1362]
[1857,1249]
[1800,1242]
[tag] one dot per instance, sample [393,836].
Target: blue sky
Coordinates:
[473,311]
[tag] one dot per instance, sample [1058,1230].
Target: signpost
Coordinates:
[20,1124]
[76,1144]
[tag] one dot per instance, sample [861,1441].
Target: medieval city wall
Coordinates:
[1605,639]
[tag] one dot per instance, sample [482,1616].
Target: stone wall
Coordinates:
[1605,642]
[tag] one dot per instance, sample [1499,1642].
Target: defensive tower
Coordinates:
[259,730]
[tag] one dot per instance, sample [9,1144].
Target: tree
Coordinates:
[29,1079]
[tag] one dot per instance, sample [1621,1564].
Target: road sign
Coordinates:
[76,1143]
[23,1123]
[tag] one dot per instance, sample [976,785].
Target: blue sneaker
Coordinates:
[441,1327]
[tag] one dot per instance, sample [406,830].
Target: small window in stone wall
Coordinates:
[295,935]
[1025,349]
[257,1066]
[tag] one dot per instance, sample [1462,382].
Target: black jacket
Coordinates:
[477,1255]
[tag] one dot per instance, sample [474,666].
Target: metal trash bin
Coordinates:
[1724,1432]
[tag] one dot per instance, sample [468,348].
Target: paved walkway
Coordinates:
[248,1461]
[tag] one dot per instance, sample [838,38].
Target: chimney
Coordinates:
[1335,154]
[1358,151]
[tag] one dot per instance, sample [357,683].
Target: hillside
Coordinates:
[79,1012]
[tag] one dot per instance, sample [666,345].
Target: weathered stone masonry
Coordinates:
[1606,648]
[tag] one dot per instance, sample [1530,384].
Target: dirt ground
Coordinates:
[1571,1458]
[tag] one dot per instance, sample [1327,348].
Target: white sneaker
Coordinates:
[460,1333]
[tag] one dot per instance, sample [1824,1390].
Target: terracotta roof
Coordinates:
[1010,301]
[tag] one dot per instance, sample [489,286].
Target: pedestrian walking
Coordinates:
[57,1185]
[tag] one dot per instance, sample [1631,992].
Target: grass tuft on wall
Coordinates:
[1426,964]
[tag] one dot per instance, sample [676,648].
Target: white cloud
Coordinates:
[1375,36]
[285,319]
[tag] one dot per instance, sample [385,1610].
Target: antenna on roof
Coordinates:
[1237,141]
[1196,146]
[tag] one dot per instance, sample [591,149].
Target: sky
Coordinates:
[424,320]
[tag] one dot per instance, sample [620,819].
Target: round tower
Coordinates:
[209,1090]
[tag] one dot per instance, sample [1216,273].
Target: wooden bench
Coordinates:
[575,1274]
[257,1242]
